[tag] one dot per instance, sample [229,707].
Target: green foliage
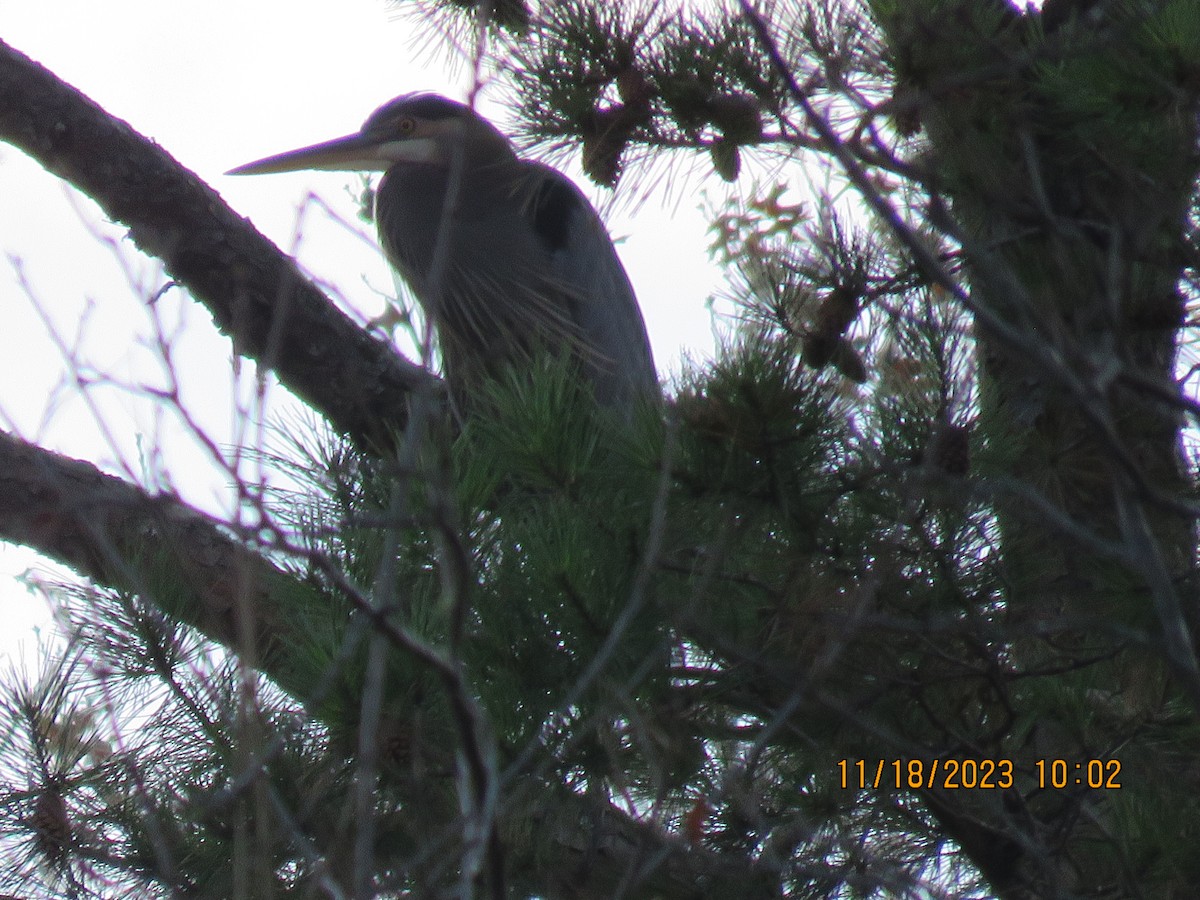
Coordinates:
[512,16]
[924,506]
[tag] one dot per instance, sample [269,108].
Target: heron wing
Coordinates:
[592,289]
[524,261]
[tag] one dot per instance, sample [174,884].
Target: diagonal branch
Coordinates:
[255,293]
[118,535]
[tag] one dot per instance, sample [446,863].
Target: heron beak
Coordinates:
[353,153]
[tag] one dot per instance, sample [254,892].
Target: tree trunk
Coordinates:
[1068,159]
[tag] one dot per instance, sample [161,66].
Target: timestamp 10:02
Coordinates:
[975,774]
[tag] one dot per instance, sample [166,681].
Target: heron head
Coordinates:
[413,128]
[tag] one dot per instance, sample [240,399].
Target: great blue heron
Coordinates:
[505,255]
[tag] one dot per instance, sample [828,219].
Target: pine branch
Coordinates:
[118,535]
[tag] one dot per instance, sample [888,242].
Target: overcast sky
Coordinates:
[218,84]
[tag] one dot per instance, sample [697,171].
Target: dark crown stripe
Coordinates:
[431,107]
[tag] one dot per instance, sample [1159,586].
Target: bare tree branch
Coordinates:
[114,533]
[255,293]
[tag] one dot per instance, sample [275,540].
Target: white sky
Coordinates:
[218,84]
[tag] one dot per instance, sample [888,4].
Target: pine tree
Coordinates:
[895,600]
